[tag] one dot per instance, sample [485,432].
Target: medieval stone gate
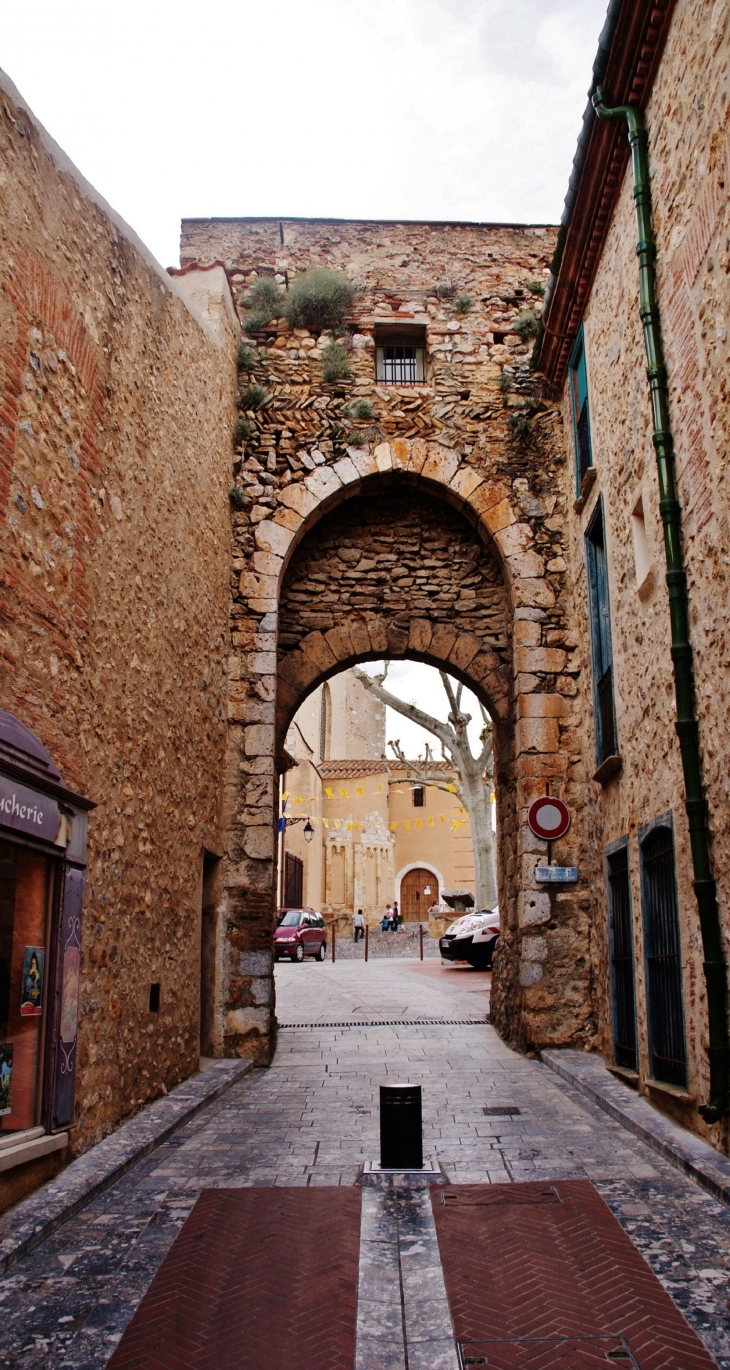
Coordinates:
[439,536]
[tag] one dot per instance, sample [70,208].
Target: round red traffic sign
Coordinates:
[549,818]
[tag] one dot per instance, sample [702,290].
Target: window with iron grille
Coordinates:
[580,409]
[663,952]
[400,358]
[601,649]
[418,796]
[621,936]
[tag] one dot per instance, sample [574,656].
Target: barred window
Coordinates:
[400,358]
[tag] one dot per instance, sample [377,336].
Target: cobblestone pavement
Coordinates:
[312,1119]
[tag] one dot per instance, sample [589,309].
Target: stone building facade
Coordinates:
[675,67]
[115,421]
[378,834]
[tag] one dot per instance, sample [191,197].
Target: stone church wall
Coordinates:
[115,449]
[689,148]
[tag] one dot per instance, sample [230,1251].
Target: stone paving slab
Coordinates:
[311,1119]
[29,1223]
[588,1074]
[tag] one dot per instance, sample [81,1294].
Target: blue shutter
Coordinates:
[601,647]
[581,411]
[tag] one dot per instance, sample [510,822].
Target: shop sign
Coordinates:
[28,811]
[556,875]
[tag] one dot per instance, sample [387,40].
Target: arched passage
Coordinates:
[412,554]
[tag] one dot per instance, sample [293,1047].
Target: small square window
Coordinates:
[418,797]
[400,358]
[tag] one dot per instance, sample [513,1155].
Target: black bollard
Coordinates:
[401,1134]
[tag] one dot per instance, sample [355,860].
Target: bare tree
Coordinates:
[474,774]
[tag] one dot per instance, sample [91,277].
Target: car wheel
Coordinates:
[299,953]
[322,953]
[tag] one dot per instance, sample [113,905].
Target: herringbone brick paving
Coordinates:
[257,1278]
[532,1262]
[311,1120]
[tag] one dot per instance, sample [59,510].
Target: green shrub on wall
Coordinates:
[263,303]
[246,358]
[335,363]
[463,303]
[363,410]
[252,397]
[320,298]
[526,324]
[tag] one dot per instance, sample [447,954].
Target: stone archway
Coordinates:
[467,577]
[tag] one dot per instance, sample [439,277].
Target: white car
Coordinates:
[471,938]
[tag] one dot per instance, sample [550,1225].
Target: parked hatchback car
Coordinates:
[300,933]
[472,938]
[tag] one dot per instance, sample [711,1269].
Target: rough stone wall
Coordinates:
[115,446]
[480,435]
[689,141]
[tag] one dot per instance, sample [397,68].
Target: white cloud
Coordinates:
[439,109]
[419,684]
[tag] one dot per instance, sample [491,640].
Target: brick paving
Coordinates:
[311,1120]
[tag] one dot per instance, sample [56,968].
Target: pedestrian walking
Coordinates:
[359,925]
[388,919]
[394,918]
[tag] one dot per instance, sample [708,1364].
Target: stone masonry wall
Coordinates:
[115,448]
[689,142]
[481,435]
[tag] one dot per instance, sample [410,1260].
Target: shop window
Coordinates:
[580,410]
[663,951]
[621,939]
[400,358]
[602,653]
[418,797]
[25,905]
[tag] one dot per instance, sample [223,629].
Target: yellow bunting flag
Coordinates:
[330,793]
[452,789]
[344,794]
[359,790]
[314,820]
[419,823]
[442,818]
[349,827]
[313,799]
[326,822]
[285,796]
[298,799]
[393,827]
[408,825]
[456,825]
[379,789]
[337,823]
[431,823]
[357,825]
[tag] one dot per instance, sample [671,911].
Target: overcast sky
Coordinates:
[444,109]
[421,685]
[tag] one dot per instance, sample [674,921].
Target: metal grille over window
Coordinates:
[667,1051]
[400,362]
[622,960]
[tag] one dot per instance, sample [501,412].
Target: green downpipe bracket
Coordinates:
[686,724]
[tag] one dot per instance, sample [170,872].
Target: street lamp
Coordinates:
[308,831]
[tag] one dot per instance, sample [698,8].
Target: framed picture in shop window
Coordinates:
[6,1077]
[31,993]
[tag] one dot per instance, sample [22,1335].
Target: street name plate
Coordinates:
[556,875]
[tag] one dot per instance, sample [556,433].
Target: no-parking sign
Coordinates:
[549,818]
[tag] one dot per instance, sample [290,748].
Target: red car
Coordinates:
[300,933]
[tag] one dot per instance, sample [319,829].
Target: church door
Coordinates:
[419,889]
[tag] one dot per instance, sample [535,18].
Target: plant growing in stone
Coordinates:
[445,290]
[363,410]
[246,357]
[335,363]
[505,383]
[252,397]
[474,773]
[319,298]
[536,287]
[237,497]
[263,303]
[463,303]
[244,429]
[357,439]
[519,423]
[526,324]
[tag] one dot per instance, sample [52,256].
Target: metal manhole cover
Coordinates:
[502,1111]
[482,1196]
[549,1353]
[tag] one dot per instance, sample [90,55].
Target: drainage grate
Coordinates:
[549,1353]
[502,1111]
[482,1196]
[394,1022]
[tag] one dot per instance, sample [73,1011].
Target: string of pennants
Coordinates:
[350,825]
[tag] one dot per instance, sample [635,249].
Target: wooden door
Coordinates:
[419,889]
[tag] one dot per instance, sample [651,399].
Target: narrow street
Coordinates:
[312,1119]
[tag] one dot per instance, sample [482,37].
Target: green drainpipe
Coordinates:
[686,725]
